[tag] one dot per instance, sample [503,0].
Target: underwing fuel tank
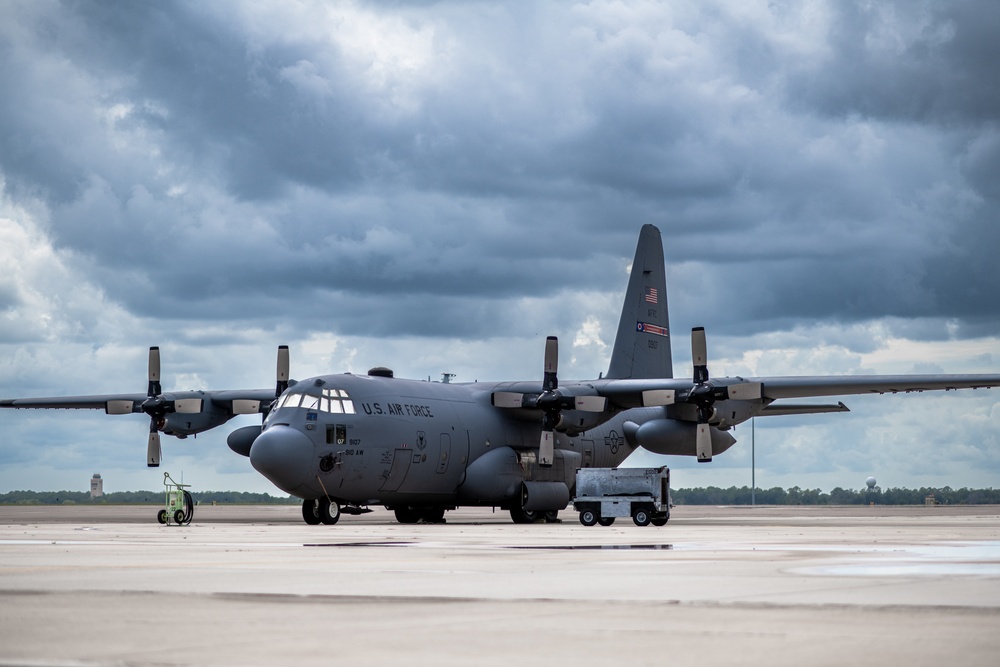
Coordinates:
[677,438]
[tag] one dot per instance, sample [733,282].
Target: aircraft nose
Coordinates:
[283,455]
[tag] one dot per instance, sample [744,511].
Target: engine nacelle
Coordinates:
[670,436]
[544,496]
[241,440]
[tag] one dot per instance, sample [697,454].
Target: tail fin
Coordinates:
[642,346]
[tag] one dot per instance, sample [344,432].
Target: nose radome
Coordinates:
[283,455]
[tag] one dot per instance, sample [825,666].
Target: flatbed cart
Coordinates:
[179,503]
[604,494]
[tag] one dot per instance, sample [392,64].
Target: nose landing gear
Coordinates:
[320,510]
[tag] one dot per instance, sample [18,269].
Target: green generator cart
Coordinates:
[179,504]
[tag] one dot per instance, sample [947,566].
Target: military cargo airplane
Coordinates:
[344,443]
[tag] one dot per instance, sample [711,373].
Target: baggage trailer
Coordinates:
[604,494]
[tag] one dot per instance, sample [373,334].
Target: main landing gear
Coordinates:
[320,510]
[518,515]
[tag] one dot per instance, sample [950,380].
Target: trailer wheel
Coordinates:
[606,520]
[162,516]
[588,517]
[640,515]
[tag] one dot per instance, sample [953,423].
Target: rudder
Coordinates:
[642,345]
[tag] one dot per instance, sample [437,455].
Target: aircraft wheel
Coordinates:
[606,520]
[329,511]
[179,517]
[432,514]
[310,512]
[660,520]
[162,516]
[552,516]
[406,515]
[519,515]
[588,517]
[641,517]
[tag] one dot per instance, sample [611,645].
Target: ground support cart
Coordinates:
[179,504]
[604,494]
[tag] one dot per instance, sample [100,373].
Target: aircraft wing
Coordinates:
[803,387]
[100,402]
[233,401]
[653,392]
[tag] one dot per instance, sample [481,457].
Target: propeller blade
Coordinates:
[154,372]
[153,448]
[546,449]
[699,355]
[282,371]
[703,443]
[507,399]
[550,380]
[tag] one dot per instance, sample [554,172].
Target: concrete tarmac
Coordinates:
[735,586]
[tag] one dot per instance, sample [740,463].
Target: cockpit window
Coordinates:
[335,401]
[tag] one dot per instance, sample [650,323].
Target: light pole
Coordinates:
[753,463]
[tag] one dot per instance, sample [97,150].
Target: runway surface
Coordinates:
[736,586]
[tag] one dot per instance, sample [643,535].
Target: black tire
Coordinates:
[606,520]
[641,516]
[588,517]
[407,514]
[552,516]
[432,514]
[310,512]
[179,517]
[161,516]
[519,515]
[660,520]
[329,511]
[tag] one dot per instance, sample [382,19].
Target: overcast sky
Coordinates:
[437,186]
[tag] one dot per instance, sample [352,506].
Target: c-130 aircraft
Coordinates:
[346,442]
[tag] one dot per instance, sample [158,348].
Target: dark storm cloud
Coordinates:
[222,166]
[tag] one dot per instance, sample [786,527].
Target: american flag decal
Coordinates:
[651,295]
[651,329]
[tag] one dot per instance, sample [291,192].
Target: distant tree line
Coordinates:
[711,495]
[140,498]
[714,495]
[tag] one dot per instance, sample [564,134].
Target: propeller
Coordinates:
[552,401]
[703,395]
[156,407]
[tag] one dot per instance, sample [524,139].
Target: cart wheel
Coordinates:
[660,520]
[161,516]
[606,520]
[179,517]
[329,511]
[310,511]
[640,515]
[588,517]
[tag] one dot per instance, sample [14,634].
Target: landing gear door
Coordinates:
[400,466]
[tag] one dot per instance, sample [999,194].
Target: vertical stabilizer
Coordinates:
[642,346]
